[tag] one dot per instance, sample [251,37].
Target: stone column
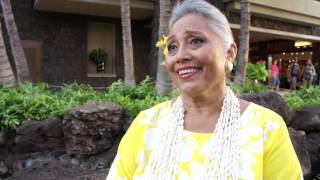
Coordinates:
[269,69]
[316,52]
[316,58]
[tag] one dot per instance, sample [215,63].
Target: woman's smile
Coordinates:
[186,72]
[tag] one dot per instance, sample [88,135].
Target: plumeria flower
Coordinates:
[163,43]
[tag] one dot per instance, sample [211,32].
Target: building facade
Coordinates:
[283,30]
[58,35]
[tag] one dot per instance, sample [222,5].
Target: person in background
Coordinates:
[294,73]
[308,73]
[275,76]
[317,76]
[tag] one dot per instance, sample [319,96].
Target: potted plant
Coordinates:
[99,57]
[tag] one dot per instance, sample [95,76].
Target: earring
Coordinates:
[228,66]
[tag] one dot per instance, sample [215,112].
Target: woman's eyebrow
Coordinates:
[193,32]
[170,38]
[188,32]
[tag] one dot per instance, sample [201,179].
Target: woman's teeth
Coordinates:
[187,71]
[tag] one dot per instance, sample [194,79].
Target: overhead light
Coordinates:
[299,44]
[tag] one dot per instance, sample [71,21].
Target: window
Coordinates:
[101,35]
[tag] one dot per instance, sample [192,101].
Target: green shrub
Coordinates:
[250,86]
[256,75]
[257,72]
[136,99]
[23,103]
[302,97]
[76,94]
[39,102]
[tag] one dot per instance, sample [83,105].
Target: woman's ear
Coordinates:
[232,52]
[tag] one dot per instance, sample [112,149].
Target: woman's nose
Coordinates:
[182,55]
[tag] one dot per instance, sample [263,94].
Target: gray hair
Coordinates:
[217,20]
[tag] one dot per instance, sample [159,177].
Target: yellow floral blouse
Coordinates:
[266,151]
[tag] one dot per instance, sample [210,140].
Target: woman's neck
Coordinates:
[202,112]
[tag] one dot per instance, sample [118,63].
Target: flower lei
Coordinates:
[222,157]
[163,43]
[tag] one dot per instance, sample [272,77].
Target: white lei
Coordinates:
[221,163]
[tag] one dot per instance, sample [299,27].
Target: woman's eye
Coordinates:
[172,48]
[196,41]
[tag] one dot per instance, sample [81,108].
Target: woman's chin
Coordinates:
[190,90]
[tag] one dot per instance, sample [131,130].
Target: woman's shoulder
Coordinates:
[262,116]
[151,116]
[261,123]
[157,109]
[146,120]
[265,111]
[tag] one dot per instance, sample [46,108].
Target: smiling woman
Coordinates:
[197,56]
[207,132]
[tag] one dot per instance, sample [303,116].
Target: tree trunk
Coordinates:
[154,37]
[163,82]
[7,77]
[243,54]
[129,78]
[19,58]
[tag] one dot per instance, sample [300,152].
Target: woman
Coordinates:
[308,73]
[275,76]
[207,132]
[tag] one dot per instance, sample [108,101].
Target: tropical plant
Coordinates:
[249,86]
[256,75]
[303,96]
[257,72]
[39,102]
[98,56]
[136,99]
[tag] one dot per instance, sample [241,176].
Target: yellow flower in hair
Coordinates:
[165,51]
[163,43]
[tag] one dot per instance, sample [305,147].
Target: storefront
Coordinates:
[280,32]
[285,52]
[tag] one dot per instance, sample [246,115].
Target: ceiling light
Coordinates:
[299,44]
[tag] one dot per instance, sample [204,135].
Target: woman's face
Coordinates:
[196,60]
[275,62]
[309,62]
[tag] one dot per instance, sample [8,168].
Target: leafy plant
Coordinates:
[303,96]
[256,75]
[39,102]
[134,99]
[257,72]
[25,102]
[98,56]
[250,86]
